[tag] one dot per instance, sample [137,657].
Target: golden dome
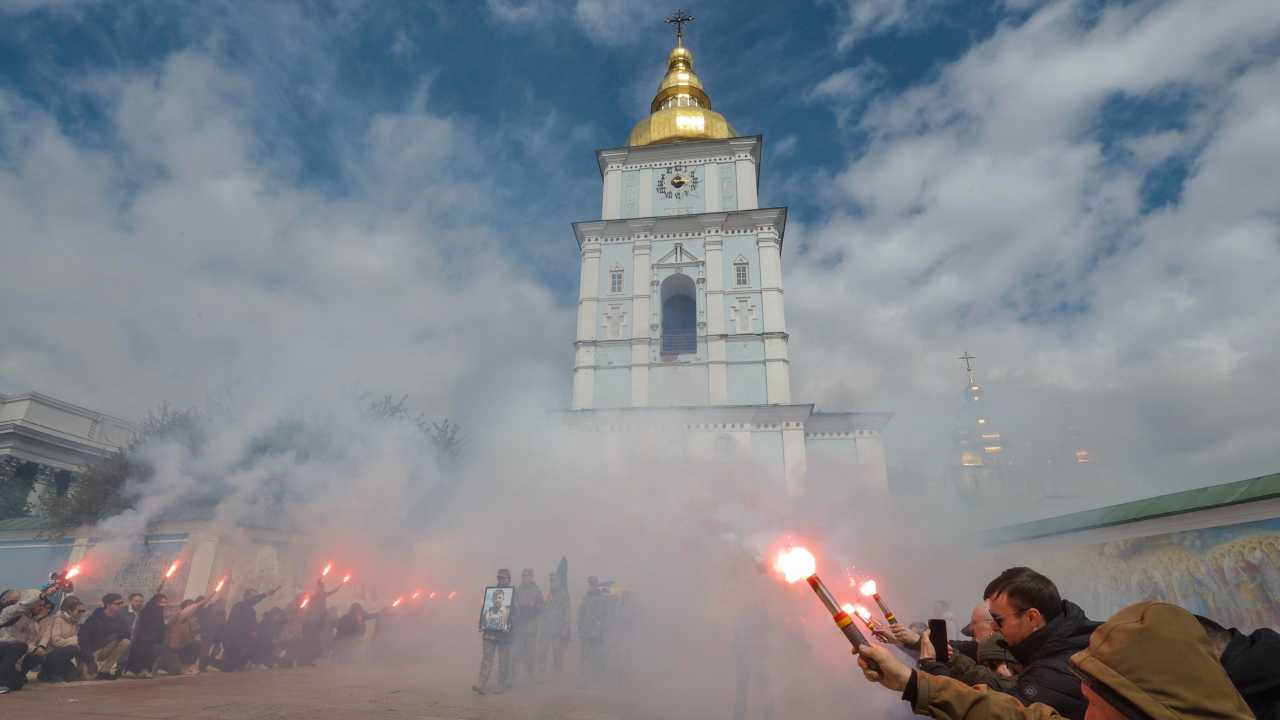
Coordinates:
[681,109]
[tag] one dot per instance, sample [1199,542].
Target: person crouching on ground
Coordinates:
[181,650]
[1150,661]
[104,637]
[60,645]
[20,612]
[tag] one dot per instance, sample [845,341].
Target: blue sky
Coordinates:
[354,194]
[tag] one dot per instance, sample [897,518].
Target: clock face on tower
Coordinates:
[677,182]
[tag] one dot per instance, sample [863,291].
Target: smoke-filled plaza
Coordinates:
[341,377]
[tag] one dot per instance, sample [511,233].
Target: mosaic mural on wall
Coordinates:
[1229,573]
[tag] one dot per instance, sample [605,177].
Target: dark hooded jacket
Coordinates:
[102,629]
[1253,664]
[150,627]
[1150,660]
[1046,675]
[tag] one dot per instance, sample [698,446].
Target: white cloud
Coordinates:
[180,260]
[864,18]
[983,215]
[522,12]
[846,90]
[614,22]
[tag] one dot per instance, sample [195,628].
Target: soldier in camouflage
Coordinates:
[495,643]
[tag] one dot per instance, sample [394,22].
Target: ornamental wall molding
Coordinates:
[742,148]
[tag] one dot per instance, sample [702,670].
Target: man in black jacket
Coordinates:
[239,633]
[1042,631]
[1252,663]
[105,637]
[148,635]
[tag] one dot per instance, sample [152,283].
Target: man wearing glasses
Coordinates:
[105,637]
[1042,631]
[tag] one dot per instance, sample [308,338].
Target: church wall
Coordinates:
[727,179]
[746,384]
[744,349]
[678,385]
[613,386]
[766,453]
[614,304]
[27,562]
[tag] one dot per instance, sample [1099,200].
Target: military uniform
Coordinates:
[495,643]
[526,616]
[554,631]
[593,619]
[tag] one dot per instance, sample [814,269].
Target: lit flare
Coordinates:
[452,595]
[397,602]
[173,568]
[327,567]
[433,596]
[869,590]
[306,600]
[795,563]
[72,571]
[346,578]
[221,582]
[416,594]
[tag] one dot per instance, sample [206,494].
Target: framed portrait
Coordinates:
[495,615]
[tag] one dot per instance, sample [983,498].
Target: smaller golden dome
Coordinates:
[681,109]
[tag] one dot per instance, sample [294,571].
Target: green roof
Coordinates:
[1265,487]
[24,523]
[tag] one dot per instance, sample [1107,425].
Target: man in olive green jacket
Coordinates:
[1151,660]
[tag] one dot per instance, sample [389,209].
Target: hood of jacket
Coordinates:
[1065,634]
[1157,658]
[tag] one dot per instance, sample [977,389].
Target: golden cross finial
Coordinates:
[679,18]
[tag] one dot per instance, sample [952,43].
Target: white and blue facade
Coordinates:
[681,315]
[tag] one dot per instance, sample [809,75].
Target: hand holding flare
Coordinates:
[869,590]
[796,563]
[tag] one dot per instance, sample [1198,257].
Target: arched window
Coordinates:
[741,272]
[679,313]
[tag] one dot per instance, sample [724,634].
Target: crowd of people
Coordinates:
[49,632]
[528,640]
[1032,653]
[1037,655]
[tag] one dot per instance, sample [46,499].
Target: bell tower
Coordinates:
[680,300]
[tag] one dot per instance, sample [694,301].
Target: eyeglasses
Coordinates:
[999,619]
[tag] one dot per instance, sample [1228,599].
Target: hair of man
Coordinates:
[1025,588]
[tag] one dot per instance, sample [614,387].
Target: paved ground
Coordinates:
[315,694]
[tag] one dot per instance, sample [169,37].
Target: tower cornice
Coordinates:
[687,150]
[679,226]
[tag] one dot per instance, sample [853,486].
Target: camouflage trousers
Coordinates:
[526,647]
[501,648]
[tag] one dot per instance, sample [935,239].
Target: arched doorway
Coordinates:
[679,315]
